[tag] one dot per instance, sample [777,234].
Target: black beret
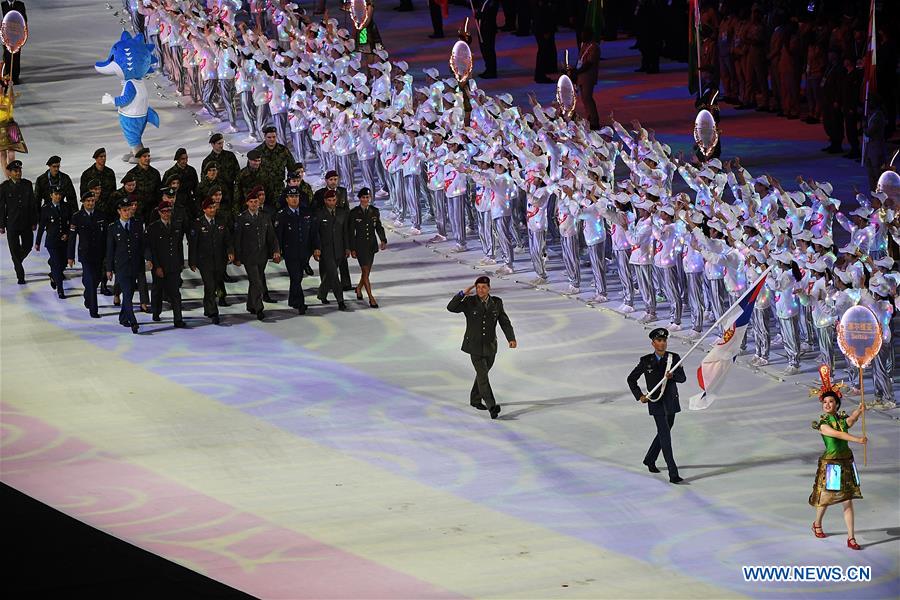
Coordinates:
[98,152]
[253,155]
[331,174]
[364,192]
[16,164]
[142,152]
[53,160]
[269,129]
[659,332]
[179,153]
[93,183]
[216,137]
[483,279]
[128,178]
[171,178]
[297,167]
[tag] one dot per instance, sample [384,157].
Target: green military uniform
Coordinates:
[276,162]
[228,168]
[188,188]
[246,181]
[106,177]
[149,183]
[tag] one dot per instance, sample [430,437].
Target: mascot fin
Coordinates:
[152,117]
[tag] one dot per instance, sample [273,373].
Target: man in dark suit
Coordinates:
[483,313]
[88,226]
[298,235]
[342,204]
[7,6]
[19,214]
[125,258]
[210,249]
[333,247]
[165,249]
[254,243]
[664,403]
[487,27]
[55,217]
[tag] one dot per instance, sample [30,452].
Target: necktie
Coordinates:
[127,227]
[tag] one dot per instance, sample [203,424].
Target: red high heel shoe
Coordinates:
[817,531]
[851,543]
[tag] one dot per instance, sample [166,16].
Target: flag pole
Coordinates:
[714,325]
[697,43]
[862,401]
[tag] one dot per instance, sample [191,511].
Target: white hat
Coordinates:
[844,275]
[714,163]
[717,224]
[402,65]
[381,54]
[783,256]
[432,72]
[819,265]
[763,180]
[505,99]
[707,172]
[655,190]
[607,131]
[825,240]
[667,208]
[862,211]
[805,235]
[826,187]
[881,285]
[886,262]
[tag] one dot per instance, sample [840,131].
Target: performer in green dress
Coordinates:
[836,478]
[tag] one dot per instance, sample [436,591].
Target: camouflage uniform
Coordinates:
[148,192]
[247,180]
[188,188]
[275,165]
[228,169]
[107,181]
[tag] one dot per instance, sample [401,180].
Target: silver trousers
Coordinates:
[208,91]
[282,128]
[505,239]
[717,295]
[456,210]
[395,192]
[762,336]
[300,144]
[411,194]
[344,168]
[597,255]
[327,162]
[263,119]
[440,211]
[695,299]
[571,250]
[882,372]
[486,233]
[826,338]
[537,248]
[248,110]
[790,337]
[626,276]
[669,278]
[226,93]
[369,174]
[646,286]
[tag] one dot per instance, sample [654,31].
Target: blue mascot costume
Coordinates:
[131,58]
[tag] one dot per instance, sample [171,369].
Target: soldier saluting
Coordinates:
[483,313]
[663,404]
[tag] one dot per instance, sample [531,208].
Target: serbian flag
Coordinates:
[871,59]
[715,366]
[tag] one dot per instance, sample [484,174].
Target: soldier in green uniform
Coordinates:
[250,177]
[277,161]
[187,176]
[108,207]
[51,178]
[227,163]
[148,182]
[101,173]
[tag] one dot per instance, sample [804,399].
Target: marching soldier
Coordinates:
[664,403]
[19,213]
[342,204]
[210,249]
[100,173]
[55,217]
[298,234]
[51,178]
[333,248]
[483,313]
[147,183]
[254,243]
[250,177]
[277,160]
[164,249]
[124,257]
[226,163]
[88,227]
[366,231]
[187,177]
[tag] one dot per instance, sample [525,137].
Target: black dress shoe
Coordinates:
[342,306]
[117,301]
[105,291]
[20,281]
[52,283]
[347,288]
[223,302]
[487,75]
[95,315]
[436,36]
[180,325]
[651,467]
[61,294]
[675,479]
[260,315]
[228,278]
[324,301]
[301,310]
[478,405]
[215,320]
[156,318]
[308,271]
[134,328]
[268,298]
[543,80]
[495,411]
